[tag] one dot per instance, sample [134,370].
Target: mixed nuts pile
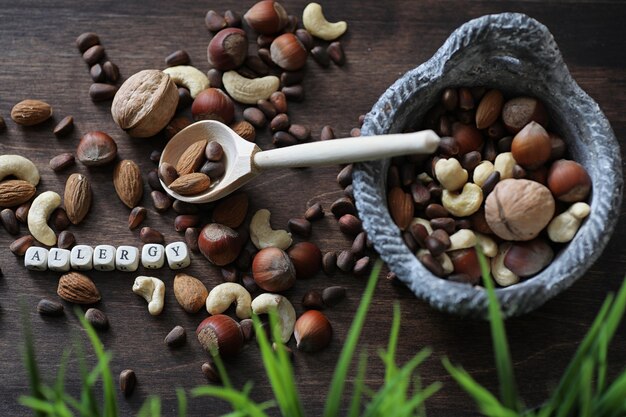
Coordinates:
[498,181]
[255,260]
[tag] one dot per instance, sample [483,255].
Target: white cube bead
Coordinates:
[153,256]
[177,255]
[127,258]
[104,258]
[36,258]
[81,258]
[59,260]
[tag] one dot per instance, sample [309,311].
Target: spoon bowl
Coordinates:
[237,158]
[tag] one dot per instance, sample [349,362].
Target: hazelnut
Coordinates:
[96,148]
[568,181]
[531,146]
[525,259]
[520,111]
[306,258]
[213,104]
[558,146]
[467,138]
[519,209]
[465,261]
[312,331]
[288,52]
[273,270]
[220,244]
[228,49]
[220,335]
[266,17]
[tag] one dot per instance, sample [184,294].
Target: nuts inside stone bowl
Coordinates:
[497,80]
[484,188]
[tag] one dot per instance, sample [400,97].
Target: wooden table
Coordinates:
[384,40]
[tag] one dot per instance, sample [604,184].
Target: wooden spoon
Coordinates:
[244,160]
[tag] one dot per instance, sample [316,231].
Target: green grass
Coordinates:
[584,389]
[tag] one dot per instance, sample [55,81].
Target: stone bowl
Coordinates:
[518,55]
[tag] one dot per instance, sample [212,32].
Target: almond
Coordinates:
[190,292]
[128,183]
[15,192]
[401,207]
[77,288]
[192,159]
[244,129]
[231,211]
[77,197]
[31,112]
[489,109]
[191,184]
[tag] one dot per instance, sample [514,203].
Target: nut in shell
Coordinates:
[312,331]
[519,209]
[31,112]
[145,103]
[190,292]
[78,288]
[77,197]
[221,335]
[128,183]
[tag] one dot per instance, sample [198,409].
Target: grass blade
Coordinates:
[605,324]
[272,368]
[585,391]
[182,402]
[391,368]
[486,401]
[613,401]
[234,397]
[337,385]
[285,368]
[110,400]
[504,364]
[359,384]
[30,360]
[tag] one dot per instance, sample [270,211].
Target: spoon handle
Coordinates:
[343,151]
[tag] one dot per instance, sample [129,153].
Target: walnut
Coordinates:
[145,103]
[519,209]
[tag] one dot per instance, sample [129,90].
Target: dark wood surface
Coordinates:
[384,39]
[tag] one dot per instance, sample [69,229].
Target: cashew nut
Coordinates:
[465,203]
[446,263]
[314,21]
[482,172]
[249,91]
[425,178]
[504,164]
[487,244]
[153,291]
[462,239]
[40,210]
[190,77]
[501,274]
[223,295]
[563,227]
[450,174]
[267,302]
[20,167]
[262,234]
[423,222]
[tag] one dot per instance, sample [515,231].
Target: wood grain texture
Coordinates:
[384,40]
